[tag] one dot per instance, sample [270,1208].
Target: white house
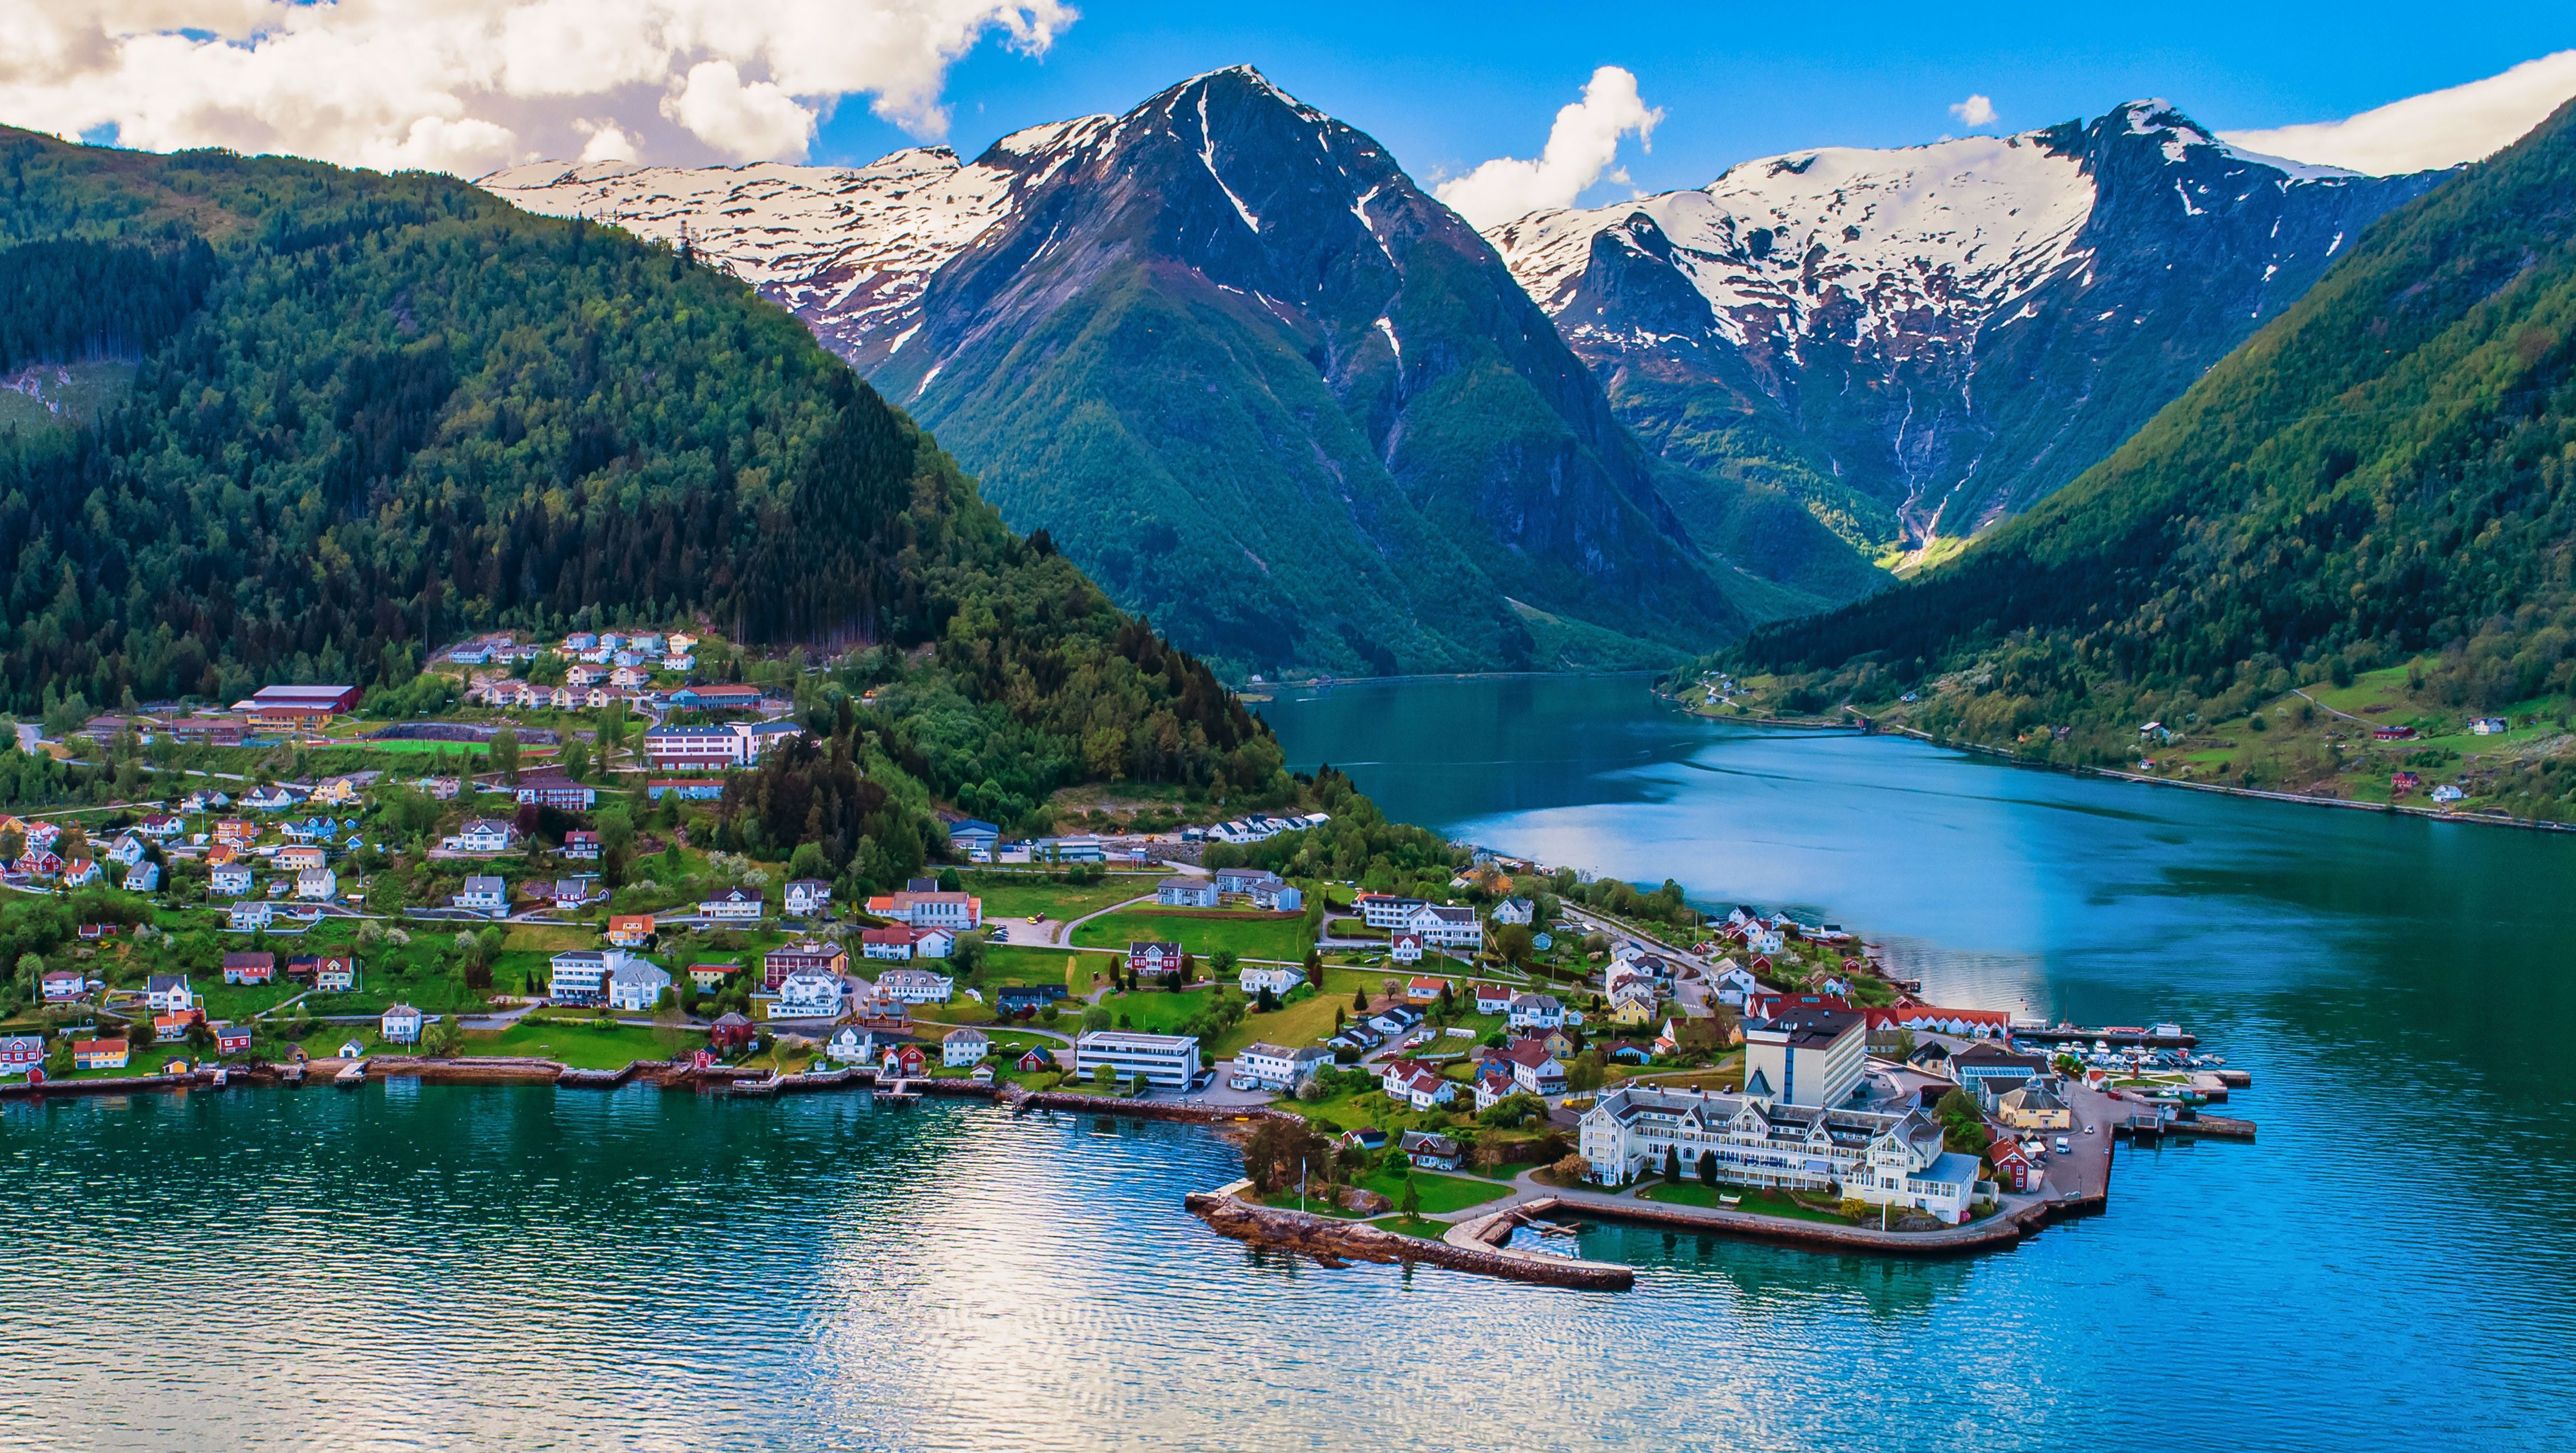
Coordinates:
[1279,979]
[480,835]
[1185,893]
[317,885]
[143,878]
[1493,999]
[229,879]
[1733,984]
[807,897]
[1536,1011]
[1883,1159]
[1534,1067]
[125,852]
[1515,910]
[1443,926]
[734,905]
[484,892]
[1281,1068]
[915,986]
[964,1047]
[1404,947]
[400,1025]
[806,994]
[636,985]
[1421,1088]
[851,1045]
[251,915]
[168,994]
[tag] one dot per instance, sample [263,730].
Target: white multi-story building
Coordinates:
[956,912]
[1385,910]
[1280,1068]
[964,1047]
[915,986]
[1811,1057]
[807,994]
[581,975]
[1883,1159]
[1167,1061]
[1446,927]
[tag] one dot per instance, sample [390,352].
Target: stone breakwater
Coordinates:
[1336,1243]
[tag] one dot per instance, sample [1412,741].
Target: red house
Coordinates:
[232,1038]
[730,1032]
[2401,783]
[2013,1170]
[1153,958]
[249,968]
[1034,1059]
[904,1060]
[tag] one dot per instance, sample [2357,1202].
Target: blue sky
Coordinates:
[1446,86]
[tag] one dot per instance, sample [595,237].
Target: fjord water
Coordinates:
[450,1266]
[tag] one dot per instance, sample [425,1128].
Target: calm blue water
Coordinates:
[445,1267]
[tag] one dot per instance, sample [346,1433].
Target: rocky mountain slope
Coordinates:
[1254,380]
[1921,341]
[2379,477]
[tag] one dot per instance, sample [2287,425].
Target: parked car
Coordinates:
[2062,1146]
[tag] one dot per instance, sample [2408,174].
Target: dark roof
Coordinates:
[1424,1142]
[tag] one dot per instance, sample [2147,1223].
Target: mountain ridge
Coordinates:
[2379,475]
[1382,406]
[1852,316]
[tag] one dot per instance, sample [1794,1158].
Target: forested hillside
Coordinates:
[2389,470]
[368,413]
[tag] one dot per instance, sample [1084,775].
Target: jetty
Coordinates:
[1331,1242]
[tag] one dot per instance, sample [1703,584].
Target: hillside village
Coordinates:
[569,882]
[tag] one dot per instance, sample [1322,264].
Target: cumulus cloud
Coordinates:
[1975,111]
[468,85]
[1582,149]
[2436,129]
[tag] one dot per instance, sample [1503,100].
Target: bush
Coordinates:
[1571,1169]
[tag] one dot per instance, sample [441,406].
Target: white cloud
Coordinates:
[746,122]
[2436,129]
[608,142]
[1976,110]
[469,85]
[1582,148]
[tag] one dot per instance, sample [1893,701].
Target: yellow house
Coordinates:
[2033,1107]
[711,977]
[339,791]
[1633,1009]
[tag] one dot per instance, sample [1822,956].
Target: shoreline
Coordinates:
[2113,774]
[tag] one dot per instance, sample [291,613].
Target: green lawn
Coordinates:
[1154,1011]
[1014,896]
[1757,1201]
[583,1047]
[1282,936]
[240,1001]
[1412,1226]
[1440,1194]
